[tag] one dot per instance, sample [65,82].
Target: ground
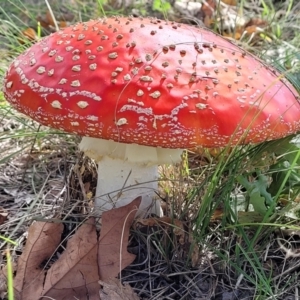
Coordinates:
[215,242]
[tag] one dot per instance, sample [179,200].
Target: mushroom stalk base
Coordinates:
[126,172]
[120,182]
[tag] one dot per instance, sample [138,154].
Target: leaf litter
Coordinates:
[114,290]
[85,260]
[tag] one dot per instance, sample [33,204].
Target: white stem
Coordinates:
[120,182]
[126,172]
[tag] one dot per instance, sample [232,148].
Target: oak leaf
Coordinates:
[75,274]
[112,251]
[43,239]
[114,290]
[85,260]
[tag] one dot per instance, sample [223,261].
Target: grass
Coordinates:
[222,197]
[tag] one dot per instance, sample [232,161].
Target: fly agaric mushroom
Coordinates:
[141,90]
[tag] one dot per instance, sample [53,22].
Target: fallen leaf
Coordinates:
[233,35]
[112,252]
[63,24]
[114,290]
[75,273]
[43,239]
[218,214]
[3,215]
[257,22]
[48,22]
[252,29]
[207,11]
[28,34]
[230,2]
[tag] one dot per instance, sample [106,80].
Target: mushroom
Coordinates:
[140,90]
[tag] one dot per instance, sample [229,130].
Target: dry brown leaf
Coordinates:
[75,274]
[47,21]
[217,215]
[43,239]
[28,34]
[113,238]
[50,21]
[42,22]
[252,29]
[230,2]
[114,290]
[207,12]
[232,35]
[257,22]
[3,215]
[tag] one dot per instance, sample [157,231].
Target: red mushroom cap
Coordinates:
[151,82]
